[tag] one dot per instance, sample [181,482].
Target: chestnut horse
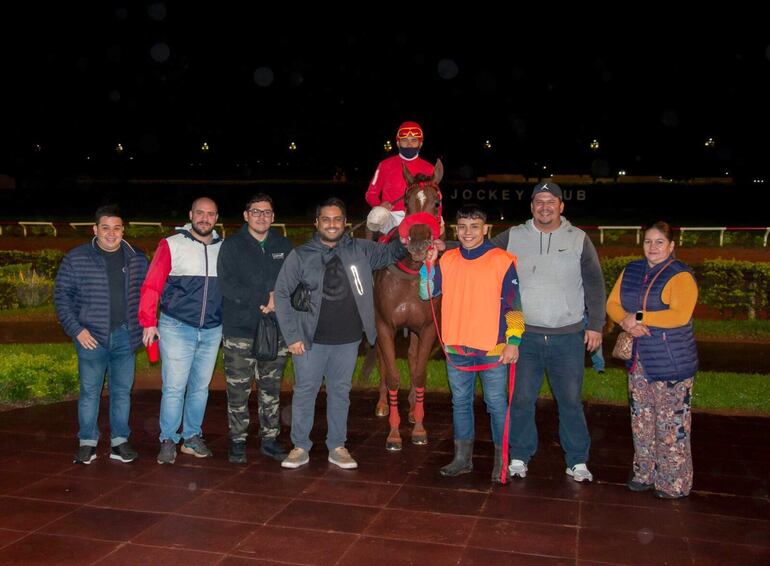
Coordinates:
[397,305]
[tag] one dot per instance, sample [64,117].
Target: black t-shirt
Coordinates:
[338,321]
[116,277]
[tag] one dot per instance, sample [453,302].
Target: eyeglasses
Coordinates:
[256,213]
[409,133]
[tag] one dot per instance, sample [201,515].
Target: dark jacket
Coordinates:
[668,354]
[247,272]
[307,263]
[82,292]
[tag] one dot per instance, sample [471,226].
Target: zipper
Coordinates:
[205,286]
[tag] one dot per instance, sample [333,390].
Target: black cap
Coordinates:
[547,187]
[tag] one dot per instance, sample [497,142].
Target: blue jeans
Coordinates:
[561,356]
[188,355]
[117,360]
[336,362]
[494,383]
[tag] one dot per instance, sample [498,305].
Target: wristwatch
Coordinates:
[639,316]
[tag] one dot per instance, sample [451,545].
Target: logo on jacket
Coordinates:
[278,255]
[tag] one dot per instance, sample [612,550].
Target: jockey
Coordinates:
[388,184]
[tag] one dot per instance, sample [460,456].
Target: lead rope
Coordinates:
[511,380]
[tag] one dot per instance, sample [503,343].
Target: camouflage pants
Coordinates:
[240,370]
[661,425]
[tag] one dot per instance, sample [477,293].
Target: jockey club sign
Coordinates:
[496,194]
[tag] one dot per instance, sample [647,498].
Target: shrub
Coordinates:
[612,267]
[15,269]
[44,262]
[34,290]
[740,286]
[26,376]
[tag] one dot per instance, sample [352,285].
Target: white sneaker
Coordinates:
[342,458]
[580,473]
[296,458]
[517,468]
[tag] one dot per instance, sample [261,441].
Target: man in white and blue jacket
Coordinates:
[97,300]
[183,277]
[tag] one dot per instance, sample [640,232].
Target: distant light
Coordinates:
[727,172]
[131,158]
[292,146]
[622,173]
[759,180]
[710,142]
[119,148]
[88,158]
[387,146]
[487,144]
[545,167]
[205,147]
[594,145]
[38,148]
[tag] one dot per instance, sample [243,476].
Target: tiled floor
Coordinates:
[395,509]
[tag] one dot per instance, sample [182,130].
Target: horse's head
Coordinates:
[422,200]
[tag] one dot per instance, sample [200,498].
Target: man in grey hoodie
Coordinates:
[336,270]
[560,279]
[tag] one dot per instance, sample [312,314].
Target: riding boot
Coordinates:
[497,471]
[462,462]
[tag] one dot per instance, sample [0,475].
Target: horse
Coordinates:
[397,305]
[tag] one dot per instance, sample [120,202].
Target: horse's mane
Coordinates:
[422,178]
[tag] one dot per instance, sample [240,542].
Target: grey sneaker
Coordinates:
[124,452]
[517,469]
[167,454]
[580,473]
[85,455]
[296,458]
[342,458]
[194,446]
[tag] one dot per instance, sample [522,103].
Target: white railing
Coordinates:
[638,230]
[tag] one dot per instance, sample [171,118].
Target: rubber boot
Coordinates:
[462,462]
[497,471]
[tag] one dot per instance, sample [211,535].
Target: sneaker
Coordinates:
[271,447]
[517,469]
[580,473]
[634,485]
[342,458]
[124,452]
[236,452]
[296,458]
[663,495]
[167,454]
[85,455]
[194,446]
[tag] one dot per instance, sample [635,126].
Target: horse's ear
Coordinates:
[408,177]
[438,172]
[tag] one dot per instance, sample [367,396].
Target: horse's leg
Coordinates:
[389,370]
[426,338]
[414,347]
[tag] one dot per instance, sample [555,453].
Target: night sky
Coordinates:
[162,78]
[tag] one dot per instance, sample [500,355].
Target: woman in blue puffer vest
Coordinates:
[653,300]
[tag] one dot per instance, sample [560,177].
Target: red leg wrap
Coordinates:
[393,418]
[419,406]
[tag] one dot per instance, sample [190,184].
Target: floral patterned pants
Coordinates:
[660,423]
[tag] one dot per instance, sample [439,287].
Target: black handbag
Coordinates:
[300,298]
[265,347]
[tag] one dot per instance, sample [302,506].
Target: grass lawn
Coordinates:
[49,372]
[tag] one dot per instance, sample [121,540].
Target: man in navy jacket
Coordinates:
[97,303]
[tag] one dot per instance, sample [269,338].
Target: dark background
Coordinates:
[163,78]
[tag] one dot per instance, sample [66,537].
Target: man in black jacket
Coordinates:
[247,268]
[97,301]
[336,269]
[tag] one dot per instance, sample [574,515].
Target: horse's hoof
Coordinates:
[411,418]
[420,439]
[392,446]
[382,410]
